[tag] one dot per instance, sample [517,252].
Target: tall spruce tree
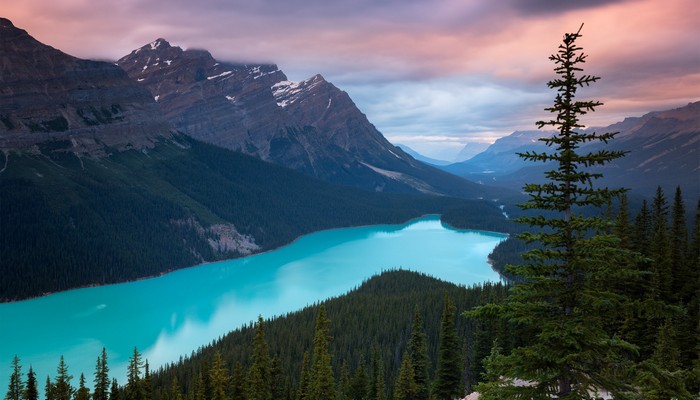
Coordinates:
[303,393]
[83,393]
[15,389]
[418,351]
[62,389]
[322,380]
[565,298]
[114,393]
[661,249]
[134,388]
[681,285]
[259,377]
[101,381]
[31,391]
[405,387]
[219,378]
[448,376]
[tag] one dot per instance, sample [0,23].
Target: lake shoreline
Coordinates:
[205,263]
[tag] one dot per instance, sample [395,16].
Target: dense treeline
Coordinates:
[396,327]
[386,339]
[69,221]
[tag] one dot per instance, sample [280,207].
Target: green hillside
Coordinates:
[69,221]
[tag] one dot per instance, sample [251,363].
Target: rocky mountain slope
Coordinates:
[663,146]
[96,187]
[311,126]
[47,95]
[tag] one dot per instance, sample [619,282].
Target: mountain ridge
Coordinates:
[663,150]
[48,95]
[311,125]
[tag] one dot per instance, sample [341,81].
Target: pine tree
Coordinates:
[134,388]
[448,376]
[418,351]
[101,381]
[31,391]
[61,388]
[175,393]
[641,236]
[623,228]
[682,287]
[359,384]
[219,378]
[48,389]
[198,386]
[238,382]
[405,387]
[344,383]
[661,248]
[146,383]
[259,377]
[379,386]
[304,391]
[83,393]
[566,297]
[114,393]
[322,379]
[661,377]
[15,389]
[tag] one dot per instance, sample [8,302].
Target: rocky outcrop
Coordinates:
[49,96]
[311,126]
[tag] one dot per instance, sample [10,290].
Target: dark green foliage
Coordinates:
[418,352]
[15,389]
[61,389]
[260,372]
[567,298]
[322,383]
[134,387]
[405,387]
[448,376]
[101,381]
[31,391]
[114,393]
[305,379]
[219,379]
[136,214]
[83,393]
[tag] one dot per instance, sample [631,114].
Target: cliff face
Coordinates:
[47,95]
[311,126]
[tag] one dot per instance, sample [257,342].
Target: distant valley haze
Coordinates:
[431,75]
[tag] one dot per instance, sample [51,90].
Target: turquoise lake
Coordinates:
[172,315]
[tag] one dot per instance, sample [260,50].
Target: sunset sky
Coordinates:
[432,74]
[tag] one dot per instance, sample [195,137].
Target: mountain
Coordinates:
[500,158]
[97,187]
[470,150]
[47,95]
[422,158]
[663,150]
[310,126]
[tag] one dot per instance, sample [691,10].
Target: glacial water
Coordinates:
[174,314]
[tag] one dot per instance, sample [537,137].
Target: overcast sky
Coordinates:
[432,74]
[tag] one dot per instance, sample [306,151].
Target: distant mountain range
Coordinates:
[663,146]
[420,157]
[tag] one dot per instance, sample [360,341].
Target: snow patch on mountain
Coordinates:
[288,92]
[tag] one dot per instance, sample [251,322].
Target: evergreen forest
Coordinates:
[70,221]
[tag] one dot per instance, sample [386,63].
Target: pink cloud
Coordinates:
[648,55]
